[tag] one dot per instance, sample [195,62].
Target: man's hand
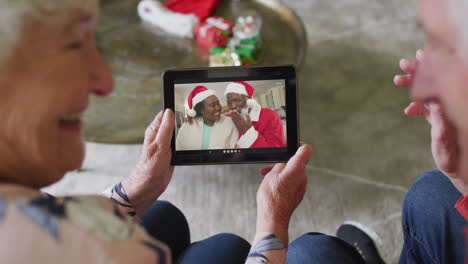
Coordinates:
[243,125]
[153,171]
[444,145]
[281,191]
[443,136]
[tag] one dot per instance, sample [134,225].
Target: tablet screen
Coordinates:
[233,114]
[230,117]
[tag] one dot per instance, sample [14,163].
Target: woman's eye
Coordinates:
[75,45]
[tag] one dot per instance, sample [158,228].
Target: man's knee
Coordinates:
[428,205]
[432,190]
[431,182]
[320,248]
[431,224]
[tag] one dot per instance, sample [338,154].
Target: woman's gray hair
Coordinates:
[458,14]
[15,13]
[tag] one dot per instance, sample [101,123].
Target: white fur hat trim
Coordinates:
[251,102]
[236,88]
[199,98]
[156,13]
[192,113]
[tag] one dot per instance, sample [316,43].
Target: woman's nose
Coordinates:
[102,82]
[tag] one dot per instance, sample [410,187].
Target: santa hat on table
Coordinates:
[178,17]
[242,88]
[197,95]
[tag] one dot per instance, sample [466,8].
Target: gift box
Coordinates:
[248,50]
[215,31]
[216,50]
[224,57]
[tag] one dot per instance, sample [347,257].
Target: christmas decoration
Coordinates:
[178,17]
[248,26]
[215,31]
[224,57]
[247,49]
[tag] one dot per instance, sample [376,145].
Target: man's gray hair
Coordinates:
[15,13]
[458,14]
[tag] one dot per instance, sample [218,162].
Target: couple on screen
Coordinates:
[247,125]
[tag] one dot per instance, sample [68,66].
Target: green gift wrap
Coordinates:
[248,50]
[217,50]
[249,43]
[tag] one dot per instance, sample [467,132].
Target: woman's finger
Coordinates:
[164,135]
[152,130]
[266,170]
[277,168]
[298,161]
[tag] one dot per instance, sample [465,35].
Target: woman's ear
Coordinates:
[202,108]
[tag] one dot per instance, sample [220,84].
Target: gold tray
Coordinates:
[138,54]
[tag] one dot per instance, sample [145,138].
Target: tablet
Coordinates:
[226,115]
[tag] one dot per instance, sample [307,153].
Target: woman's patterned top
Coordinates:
[38,228]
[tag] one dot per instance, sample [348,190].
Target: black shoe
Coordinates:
[362,239]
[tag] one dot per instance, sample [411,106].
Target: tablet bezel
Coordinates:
[228,74]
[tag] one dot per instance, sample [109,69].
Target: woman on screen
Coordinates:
[210,129]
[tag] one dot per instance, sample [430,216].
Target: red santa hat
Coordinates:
[241,88]
[200,8]
[197,95]
[177,17]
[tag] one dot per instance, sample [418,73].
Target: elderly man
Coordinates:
[435,210]
[258,127]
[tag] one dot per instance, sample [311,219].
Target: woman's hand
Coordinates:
[153,171]
[281,191]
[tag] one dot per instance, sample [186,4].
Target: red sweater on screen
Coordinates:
[266,132]
[270,130]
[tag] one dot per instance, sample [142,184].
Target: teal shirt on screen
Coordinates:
[206,136]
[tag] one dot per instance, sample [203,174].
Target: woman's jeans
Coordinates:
[167,224]
[432,230]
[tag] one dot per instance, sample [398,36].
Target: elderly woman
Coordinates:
[49,65]
[209,129]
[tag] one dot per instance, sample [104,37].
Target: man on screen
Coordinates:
[258,127]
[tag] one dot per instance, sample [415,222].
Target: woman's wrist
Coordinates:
[138,196]
[265,228]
